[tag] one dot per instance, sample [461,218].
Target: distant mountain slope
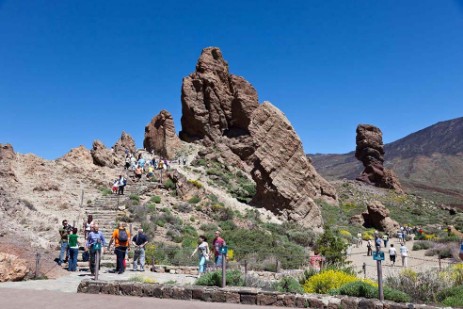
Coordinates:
[428,162]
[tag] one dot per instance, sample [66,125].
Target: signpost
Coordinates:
[378,256]
[223,252]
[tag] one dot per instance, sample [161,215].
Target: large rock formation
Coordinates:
[377,216]
[124,143]
[370,150]
[12,268]
[160,136]
[101,155]
[7,156]
[222,109]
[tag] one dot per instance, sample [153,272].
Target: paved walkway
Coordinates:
[70,283]
[20,299]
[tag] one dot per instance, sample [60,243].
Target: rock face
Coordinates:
[377,216]
[7,156]
[221,109]
[160,136]
[101,155]
[124,143]
[12,268]
[370,150]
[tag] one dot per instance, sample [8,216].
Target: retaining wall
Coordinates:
[248,296]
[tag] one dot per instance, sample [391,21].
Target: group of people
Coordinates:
[383,240]
[119,185]
[205,254]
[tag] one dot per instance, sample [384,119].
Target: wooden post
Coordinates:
[364,267]
[277,265]
[37,264]
[440,264]
[224,270]
[380,280]
[97,263]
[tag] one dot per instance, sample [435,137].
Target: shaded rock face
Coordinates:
[7,156]
[12,268]
[377,216]
[370,150]
[160,136]
[214,102]
[101,155]
[221,109]
[124,143]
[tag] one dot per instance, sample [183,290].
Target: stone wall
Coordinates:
[236,295]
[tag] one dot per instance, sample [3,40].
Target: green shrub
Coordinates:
[307,274]
[227,225]
[106,191]
[233,278]
[304,238]
[289,285]
[332,247]
[194,200]
[451,293]
[134,198]
[396,295]
[155,199]
[169,184]
[421,245]
[356,289]
[196,183]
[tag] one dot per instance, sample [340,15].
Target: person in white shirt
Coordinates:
[404,255]
[392,254]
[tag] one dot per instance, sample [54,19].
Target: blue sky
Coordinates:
[74,71]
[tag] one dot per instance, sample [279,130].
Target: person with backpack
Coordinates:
[120,238]
[217,244]
[95,243]
[139,241]
[122,182]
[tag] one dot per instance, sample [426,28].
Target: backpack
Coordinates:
[124,181]
[123,236]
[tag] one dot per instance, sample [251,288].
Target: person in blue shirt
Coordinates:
[93,238]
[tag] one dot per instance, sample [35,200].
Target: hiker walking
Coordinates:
[385,239]
[404,255]
[120,238]
[139,242]
[369,251]
[203,254]
[64,232]
[392,254]
[73,242]
[122,182]
[217,244]
[95,243]
[378,243]
[88,225]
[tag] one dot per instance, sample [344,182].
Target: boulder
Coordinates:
[78,156]
[222,110]
[101,155]
[377,216]
[160,136]
[125,143]
[7,157]
[370,150]
[7,152]
[12,268]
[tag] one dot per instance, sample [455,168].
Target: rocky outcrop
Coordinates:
[7,156]
[160,136]
[78,155]
[222,109]
[370,150]
[12,268]
[377,216]
[101,155]
[125,143]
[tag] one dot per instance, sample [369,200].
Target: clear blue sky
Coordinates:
[74,71]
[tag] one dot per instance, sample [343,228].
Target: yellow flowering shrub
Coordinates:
[367,235]
[429,236]
[327,280]
[456,273]
[345,234]
[196,183]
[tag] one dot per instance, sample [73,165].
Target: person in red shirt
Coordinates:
[217,244]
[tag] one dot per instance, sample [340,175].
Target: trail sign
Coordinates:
[378,255]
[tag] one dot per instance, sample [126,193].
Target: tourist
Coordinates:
[120,238]
[133,163]
[378,243]
[115,187]
[121,182]
[184,161]
[150,171]
[64,232]
[95,244]
[141,161]
[399,236]
[88,225]
[73,250]
[203,254]
[404,255]
[359,239]
[385,239]
[217,244]
[369,251]
[392,254]
[139,242]
[127,162]
[138,172]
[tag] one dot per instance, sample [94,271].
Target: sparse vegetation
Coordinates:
[155,199]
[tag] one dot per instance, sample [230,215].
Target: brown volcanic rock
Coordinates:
[377,216]
[214,102]
[124,143]
[223,110]
[286,182]
[160,135]
[7,156]
[370,150]
[12,268]
[101,155]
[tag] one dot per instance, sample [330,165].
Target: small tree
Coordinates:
[332,247]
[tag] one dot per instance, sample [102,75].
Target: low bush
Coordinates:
[169,184]
[106,191]
[194,200]
[196,183]
[233,278]
[327,280]
[289,285]
[421,245]
[155,199]
[134,198]
[369,289]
